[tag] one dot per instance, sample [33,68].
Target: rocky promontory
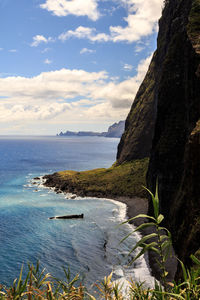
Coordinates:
[114,131]
[126,180]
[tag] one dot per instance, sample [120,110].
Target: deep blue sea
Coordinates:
[90,246]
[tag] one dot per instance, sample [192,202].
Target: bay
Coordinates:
[90,247]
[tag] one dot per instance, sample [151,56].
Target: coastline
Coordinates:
[126,207]
[134,205]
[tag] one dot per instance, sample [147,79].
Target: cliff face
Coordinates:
[175,99]
[136,140]
[175,156]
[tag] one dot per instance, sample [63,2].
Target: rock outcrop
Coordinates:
[167,109]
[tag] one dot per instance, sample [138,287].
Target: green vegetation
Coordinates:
[159,241]
[38,285]
[126,180]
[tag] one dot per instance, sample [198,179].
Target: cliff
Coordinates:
[137,138]
[114,131]
[164,122]
[175,156]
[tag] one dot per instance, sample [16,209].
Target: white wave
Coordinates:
[116,257]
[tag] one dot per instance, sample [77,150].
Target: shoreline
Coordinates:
[135,205]
[125,210]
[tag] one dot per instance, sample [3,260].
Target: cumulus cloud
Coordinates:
[52,85]
[141,20]
[86,50]
[142,17]
[65,94]
[32,112]
[85,33]
[62,8]
[38,39]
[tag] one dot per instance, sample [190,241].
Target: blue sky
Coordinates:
[72,64]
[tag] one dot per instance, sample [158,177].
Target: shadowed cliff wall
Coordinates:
[167,110]
[175,156]
[139,126]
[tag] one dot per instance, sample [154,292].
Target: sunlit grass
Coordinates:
[125,180]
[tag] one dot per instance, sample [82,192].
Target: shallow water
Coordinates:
[90,246]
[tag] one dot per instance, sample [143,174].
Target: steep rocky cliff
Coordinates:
[171,91]
[139,126]
[175,156]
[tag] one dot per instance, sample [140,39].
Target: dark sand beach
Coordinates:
[135,206]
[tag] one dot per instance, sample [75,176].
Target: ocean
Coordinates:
[89,246]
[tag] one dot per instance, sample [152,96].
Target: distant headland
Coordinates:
[114,131]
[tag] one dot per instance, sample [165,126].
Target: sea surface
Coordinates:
[89,246]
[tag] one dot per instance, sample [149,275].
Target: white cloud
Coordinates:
[127,67]
[62,8]
[1,49]
[85,32]
[142,18]
[47,61]
[52,85]
[86,50]
[32,112]
[72,95]
[38,39]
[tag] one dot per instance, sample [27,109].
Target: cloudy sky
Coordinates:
[72,64]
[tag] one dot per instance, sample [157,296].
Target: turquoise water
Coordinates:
[89,246]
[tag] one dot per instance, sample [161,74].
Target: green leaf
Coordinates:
[164,237]
[20,279]
[155,250]
[138,255]
[165,229]
[144,225]
[127,236]
[165,244]
[137,217]
[184,270]
[144,239]
[145,249]
[156,208]
[155,200]
[195,259]
[160,219]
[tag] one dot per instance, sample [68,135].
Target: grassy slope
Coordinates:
[126,179]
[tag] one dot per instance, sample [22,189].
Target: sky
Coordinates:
[72,64]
